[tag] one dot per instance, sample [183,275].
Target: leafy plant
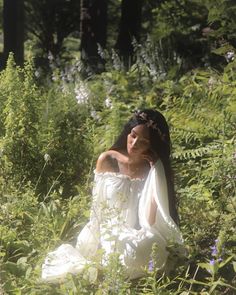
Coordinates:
[46,207]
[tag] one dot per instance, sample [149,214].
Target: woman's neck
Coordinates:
[133,159]
[133,166]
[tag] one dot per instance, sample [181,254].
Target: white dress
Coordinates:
[118,223]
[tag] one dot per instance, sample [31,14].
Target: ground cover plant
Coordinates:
[50,137]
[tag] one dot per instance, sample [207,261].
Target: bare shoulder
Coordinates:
[107,162]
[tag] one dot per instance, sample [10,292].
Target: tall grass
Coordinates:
[49,140]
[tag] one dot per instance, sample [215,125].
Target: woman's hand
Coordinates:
[150,156]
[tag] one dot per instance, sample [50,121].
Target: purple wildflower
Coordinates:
[212,261]
[150,265]
[214,250]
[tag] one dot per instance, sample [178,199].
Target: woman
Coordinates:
[133,204]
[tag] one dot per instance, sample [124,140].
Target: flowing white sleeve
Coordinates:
[156,187]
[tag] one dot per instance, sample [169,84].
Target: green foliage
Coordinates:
[44,133]
[192,33]
[114,277]
[177,31]
[63,138]
[221,17]
[20,99]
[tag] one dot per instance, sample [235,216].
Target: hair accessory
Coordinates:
[150,123]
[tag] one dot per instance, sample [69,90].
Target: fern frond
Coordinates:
[188,154]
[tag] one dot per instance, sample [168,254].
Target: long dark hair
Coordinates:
[160,144]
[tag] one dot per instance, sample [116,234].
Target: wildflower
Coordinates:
[211,82]
[54,77]
[215,253]
[229,56]
[212,261]
[195,27]
[94,115]
[37,73]
[101,52]
[151,265]
[211,268]
[214,250]
[108,103]
[81,93]
[47,158]
[50,56]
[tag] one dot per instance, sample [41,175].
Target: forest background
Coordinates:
[77,72]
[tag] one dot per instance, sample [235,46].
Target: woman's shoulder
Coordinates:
[108,161]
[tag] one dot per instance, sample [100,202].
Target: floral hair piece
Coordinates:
[150,123]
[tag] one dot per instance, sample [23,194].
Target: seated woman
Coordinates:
[133,204]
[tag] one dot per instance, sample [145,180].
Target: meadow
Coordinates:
[50,136]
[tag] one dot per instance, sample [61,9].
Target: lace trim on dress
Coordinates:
[118,175]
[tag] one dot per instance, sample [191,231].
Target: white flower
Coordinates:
[54,77]
[211,81]
[195,27]
[108,103]
[229,55]
[50,56]
[37,73]
[94,115]
[47,158]
[81,93]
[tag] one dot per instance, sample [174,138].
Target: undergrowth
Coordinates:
[50,137]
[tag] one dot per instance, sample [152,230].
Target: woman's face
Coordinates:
[138,141]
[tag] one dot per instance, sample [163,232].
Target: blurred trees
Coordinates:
[129,28]
[93,31]
[178,26]
[48,23]
[13,26]
[186,33]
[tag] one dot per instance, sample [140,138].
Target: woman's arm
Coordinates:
[152,212]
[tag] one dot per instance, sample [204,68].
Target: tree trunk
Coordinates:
[130,26]
[13,27]
[93,30]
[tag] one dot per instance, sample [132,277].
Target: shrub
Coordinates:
[200,108]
